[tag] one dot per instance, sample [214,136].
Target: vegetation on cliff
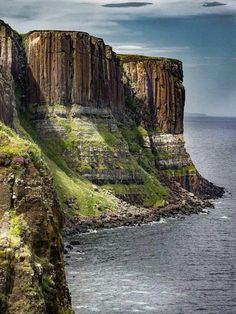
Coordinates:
[88,141]
[30,225]
[134,58]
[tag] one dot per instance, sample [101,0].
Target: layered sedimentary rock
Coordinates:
[71,68]
[80,77]
[11,64]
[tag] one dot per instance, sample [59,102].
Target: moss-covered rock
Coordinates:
[30,226]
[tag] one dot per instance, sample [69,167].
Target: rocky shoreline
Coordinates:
[180,202]
[129,215]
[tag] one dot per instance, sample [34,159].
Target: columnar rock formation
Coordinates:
[118,127]
[71,68]
[158,83]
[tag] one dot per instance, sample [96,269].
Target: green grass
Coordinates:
[14,146]
[125,58]
[47,284]
[142,131]
[191,169]
[155,193]
[68,183]
[164,154]
[22,37]
[87,201]
[15,224]
[133,138]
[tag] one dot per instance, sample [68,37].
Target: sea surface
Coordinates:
[175,266]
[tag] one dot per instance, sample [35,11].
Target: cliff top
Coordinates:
[61,31]
[125,58]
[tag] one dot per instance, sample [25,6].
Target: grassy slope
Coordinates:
[68,183]
[84,199]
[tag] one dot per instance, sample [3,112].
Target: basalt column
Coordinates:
[72,68]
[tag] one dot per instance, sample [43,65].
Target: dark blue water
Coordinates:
[174,267]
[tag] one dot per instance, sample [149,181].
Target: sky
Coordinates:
[202,34]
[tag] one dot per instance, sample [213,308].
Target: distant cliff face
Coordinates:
[159,85]
[154,90]
[71,68]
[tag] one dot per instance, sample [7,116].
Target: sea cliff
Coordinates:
[87,137]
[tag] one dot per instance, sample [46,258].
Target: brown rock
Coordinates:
[158,84]
[72,68]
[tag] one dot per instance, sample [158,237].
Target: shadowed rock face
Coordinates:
[72,68]
[10,54]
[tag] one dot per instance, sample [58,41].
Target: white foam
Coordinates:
[162,221]
[92,231]
[224,217]
[205,212]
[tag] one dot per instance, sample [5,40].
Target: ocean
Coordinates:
[175,266]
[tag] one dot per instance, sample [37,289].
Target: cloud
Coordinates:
[127,4]
[213,4]
[91,15]
[147,49]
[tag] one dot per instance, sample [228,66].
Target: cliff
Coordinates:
[155,93]
[71,68]
[158,84]
[11,64]
[109,128]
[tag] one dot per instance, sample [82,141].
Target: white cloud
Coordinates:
[145,49]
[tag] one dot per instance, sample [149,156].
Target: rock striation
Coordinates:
[158,84]
[71,68]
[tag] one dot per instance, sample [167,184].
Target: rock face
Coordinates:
[10,54]
[154,91]
[97,122]
[32,278]
[72,68]
[158,84]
